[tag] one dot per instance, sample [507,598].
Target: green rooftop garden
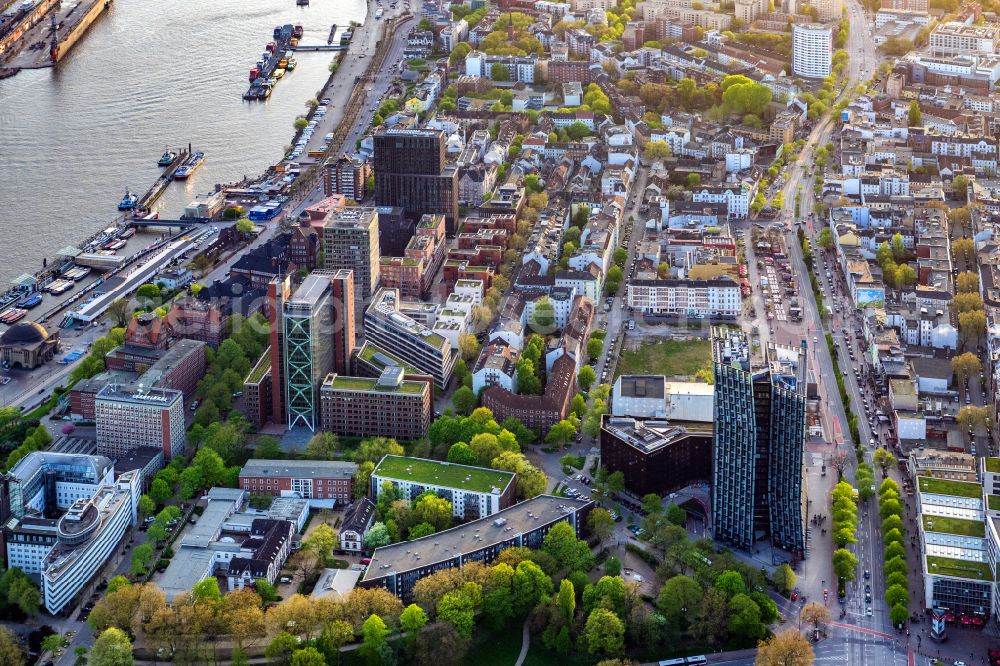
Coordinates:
[433,472]
[369,350]
[946,566]
[993,465]
[368,384]
[926,484]
[259,370]
[994,501]
[960,526]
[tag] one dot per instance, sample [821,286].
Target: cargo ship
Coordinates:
[190,165]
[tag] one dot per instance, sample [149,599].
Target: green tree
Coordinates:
[373,639]
[604,632]
[566,599]
[464,400]
[321,541]
[960,186]
[568,551]
[845,564]
[899,614]
[678,600]
[376,448]
[600,523]
[561,433]
[112,648]
[460,454]
[412,620]
[308,656]
[784,579]
[146,506]
[731,583]
[459,608]
[745,618]
[529,586]
[323,446]
[377,536]
[586,377]
[244,226]
[896,594]
[825,238]
[206,591]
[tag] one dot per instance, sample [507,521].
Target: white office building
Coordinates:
[88,535]
[812,50]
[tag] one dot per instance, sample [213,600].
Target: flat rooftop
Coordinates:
[926,484]
[958,526]
[300,469]
[651,435]
[448,475]
[478,534]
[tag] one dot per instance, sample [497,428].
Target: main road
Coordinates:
[872,638]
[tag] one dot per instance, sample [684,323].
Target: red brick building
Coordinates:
[535,411]
[324,483]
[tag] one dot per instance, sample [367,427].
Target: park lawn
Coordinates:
[497,648]
[672,358]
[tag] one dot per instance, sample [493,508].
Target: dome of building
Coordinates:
[24,333]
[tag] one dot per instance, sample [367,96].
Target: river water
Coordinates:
[146,75]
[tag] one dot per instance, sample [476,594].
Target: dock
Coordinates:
[261,84]
[318,47]
[147,200]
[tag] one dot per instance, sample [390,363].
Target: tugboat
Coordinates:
[128,201]
[167,158]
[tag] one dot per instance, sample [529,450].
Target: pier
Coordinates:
[146,201]
[261,74]
[318,47]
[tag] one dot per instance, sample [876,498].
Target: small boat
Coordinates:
[128,233]
[114,245]
[12,315]
[30,302]
[270,48]
[128,201]
[283,63]
[107,253]
[190,165]
[167,158]
[292,62]
[271,82]
[278,73]
[293,42]
[297,31]
[59,287]
[254,73]
[302,3]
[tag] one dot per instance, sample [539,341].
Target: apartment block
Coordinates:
[414,342]
[132,416]
[474,492]
[389,406]
[351,242]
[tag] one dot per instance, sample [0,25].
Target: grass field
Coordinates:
[672,358]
